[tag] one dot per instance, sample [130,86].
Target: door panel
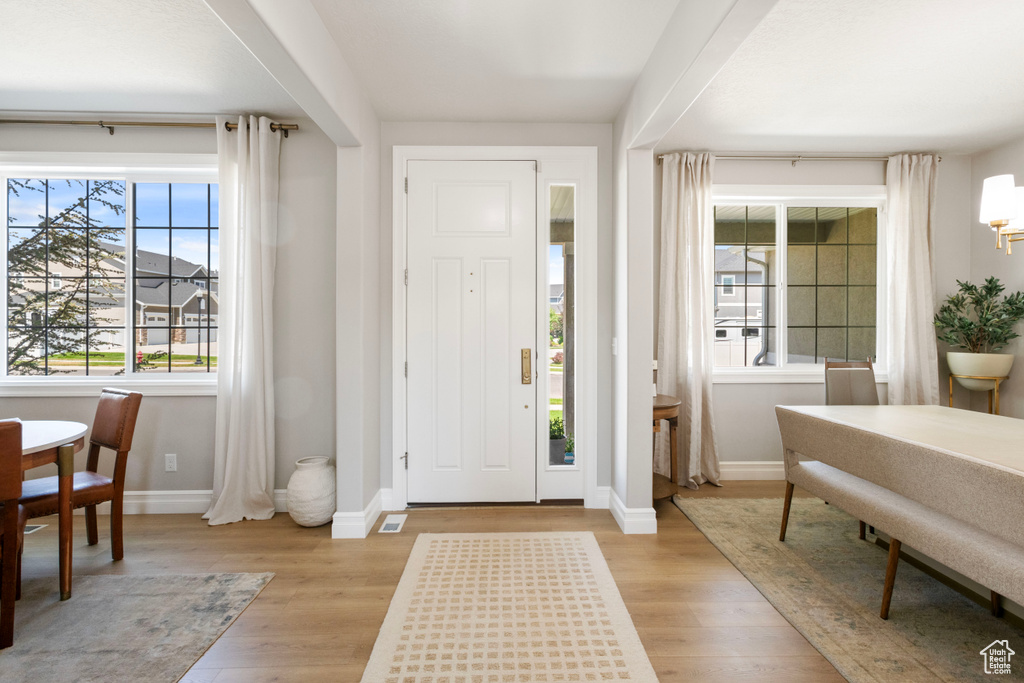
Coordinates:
[471,310]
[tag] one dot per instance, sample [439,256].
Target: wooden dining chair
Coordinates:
[113,428]
[12,525]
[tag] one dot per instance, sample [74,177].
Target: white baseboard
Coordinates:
[633,520]
[357,524]
[175,502]
[602,498]
[387,500]
[753,470]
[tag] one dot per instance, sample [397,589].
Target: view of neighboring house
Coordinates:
[175,300]
[170,294]
[741,302]
[556,298]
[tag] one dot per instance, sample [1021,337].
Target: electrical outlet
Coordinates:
[171,462]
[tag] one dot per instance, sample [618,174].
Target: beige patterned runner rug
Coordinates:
[507,608]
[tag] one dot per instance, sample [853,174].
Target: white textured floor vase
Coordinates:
[523,607]
[122,628]
[312,497]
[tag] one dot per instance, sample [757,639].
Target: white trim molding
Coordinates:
[357,524]
[175,502]
[601,499]
[753,470]
[387,500]
[30,387]
[633,520]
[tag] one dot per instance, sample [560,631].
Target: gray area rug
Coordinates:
[123,628]
[828,584]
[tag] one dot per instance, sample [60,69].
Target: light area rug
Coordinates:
[507,608]
[828,583]
[122,628]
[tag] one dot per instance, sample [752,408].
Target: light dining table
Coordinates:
[56,441]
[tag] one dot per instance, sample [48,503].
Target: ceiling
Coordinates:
[129,56]
[496,60]
[841,76]
[875,77]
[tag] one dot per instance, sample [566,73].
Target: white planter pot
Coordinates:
[312,488]
[979,365]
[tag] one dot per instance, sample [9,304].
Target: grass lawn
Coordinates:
[555,401]
[112,358]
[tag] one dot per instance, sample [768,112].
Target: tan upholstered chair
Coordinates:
[113,428]
[12,525]
[851,383]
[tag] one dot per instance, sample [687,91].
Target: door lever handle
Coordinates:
[527,372]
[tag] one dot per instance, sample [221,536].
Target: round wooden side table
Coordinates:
[667,408]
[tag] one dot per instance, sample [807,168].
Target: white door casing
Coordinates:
[471,311]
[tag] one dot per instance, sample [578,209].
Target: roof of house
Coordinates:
[180,293]
[729,261]
[152,262]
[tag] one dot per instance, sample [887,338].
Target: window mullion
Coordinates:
[129,276]
[782,303]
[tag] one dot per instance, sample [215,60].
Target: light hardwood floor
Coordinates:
[698,618]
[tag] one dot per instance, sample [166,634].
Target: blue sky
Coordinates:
[555,266]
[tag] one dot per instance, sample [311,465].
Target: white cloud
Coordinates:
[194,250]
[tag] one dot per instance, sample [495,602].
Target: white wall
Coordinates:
[303,300]
[358,320]
[986,262]
[501,134]
[745,413]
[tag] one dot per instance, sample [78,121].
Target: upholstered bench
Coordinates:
[947,482]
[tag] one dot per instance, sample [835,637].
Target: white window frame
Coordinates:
[132,168]
[780,196]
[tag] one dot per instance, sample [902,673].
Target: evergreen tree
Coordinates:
[45,320]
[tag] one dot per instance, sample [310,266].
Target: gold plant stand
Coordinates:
[993,393]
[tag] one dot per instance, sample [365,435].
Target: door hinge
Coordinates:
[406,368]
[406,277]
[407,186]
[406,459]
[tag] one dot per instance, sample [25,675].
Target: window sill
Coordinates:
[778,376]
[90,386]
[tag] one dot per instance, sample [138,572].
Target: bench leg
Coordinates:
[997,605]
[785,510]
[863,528]
[890,575]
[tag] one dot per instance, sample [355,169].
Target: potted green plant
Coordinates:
[557,434]
[570,447]
[978,320]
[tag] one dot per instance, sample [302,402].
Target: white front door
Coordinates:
[472,314]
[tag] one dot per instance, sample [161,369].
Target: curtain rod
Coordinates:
[794,158]
[110,125]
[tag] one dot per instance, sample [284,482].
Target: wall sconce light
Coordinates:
[1002,208]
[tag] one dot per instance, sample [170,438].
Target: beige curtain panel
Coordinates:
[686,326]
[244,462]
[911,349]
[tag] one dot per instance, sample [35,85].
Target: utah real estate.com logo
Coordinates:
[997,657]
